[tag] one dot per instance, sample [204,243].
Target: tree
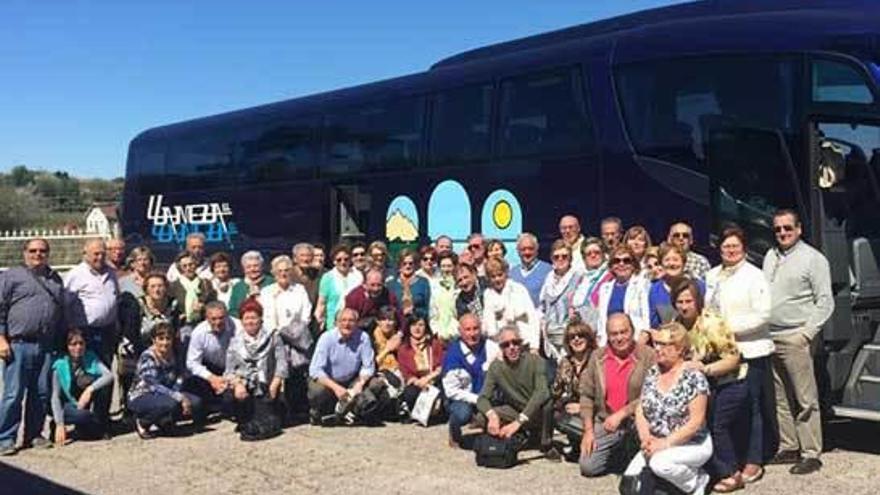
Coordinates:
[20,176]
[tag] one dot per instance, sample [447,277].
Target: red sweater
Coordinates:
[406,358]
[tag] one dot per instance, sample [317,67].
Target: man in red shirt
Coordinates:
[610,390]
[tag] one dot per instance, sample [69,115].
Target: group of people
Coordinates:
[650,361]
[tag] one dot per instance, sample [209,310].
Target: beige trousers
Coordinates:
[797,397]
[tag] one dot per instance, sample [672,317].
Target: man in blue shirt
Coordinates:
[531,272]
[343,362]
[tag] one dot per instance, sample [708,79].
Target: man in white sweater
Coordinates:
[802,301]
[505,303]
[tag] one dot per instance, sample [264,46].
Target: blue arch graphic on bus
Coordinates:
[449,213]
[502,219]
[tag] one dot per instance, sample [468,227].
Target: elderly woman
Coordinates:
[413,292]
[256,361]
[222,280]
[508,304]
[738,291]
[428,263]
[673,260]
[421,360]
[335,285]
[81,389]
[254,280]
[638,240]
[625,293]
[671,420]
[191,293]
[378,252]
[156,305]
[579,342]
[470,291]
[443,316]
[157,397]
[496,249]
[139,263]
[596,273]
[556,303]
[714,353]
[652,269]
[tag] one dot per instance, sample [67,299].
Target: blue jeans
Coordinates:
[728,407]
[159,409]
[460,414]
[763,433]
[27,370]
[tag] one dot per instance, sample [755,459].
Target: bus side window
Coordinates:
[200,160]
[460,125]
[545,114]
[146,169]
[838,82]
[282,150]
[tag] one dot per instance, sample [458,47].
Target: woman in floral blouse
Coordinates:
[671,419]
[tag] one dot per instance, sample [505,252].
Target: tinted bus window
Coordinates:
[147,170]
[460,125]
[669,106]
[281,150]
[382,136]
[839,82]
[544,114]
[201,161]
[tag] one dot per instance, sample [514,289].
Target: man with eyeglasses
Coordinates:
[116,256]
[801,302]
[570,232]
[359,260]
[91,297]
[195,246]
[476,246]
[682,235]
[530,272]
[610,389]
[515,398]
[31,324]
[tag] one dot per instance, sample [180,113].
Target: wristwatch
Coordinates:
[522,418]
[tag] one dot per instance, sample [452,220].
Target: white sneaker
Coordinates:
[702,483]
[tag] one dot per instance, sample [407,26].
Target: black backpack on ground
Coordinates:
[494,452]
[264,423]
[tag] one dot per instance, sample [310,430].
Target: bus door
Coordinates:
[349,212]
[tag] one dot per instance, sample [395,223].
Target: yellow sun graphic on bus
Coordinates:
[502,214]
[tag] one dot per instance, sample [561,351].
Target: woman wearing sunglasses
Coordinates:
[556,303]
[625,293]
[580,342]
[335,285]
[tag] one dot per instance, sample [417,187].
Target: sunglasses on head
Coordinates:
[509,343]
[783,228]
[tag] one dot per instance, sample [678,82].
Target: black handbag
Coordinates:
[494,452]
[265,423]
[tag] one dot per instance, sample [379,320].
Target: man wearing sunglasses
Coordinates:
[801,302]
[31,319]
[515,398]
[682,235]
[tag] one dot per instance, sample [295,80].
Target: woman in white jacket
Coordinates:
[625,293]
[506,302]
[738,291]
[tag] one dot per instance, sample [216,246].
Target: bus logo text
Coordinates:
[174,223]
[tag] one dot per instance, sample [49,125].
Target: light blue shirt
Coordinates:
[343,360]
[207,347]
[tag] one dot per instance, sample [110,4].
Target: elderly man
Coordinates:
[682,235]
[91,295]
[515,397]
[476,247]
[195,246]
[530,272]
[303,271]
[443,244]
[464,368]
[802,301]
[371,296]
[31,326]
[507,303]
[287,309]
[206,357]
[342,365]
[252,283]
[610,388]
[611,231]
[570,232]
[116,256]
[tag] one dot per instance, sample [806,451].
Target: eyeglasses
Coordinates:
[593,252]
[581,336]
[618,261]
[783,228]
[681,235]
[560,257]
[341,259]
[38,251]
[428,258]
[359,254]
[474,247]
[509,343]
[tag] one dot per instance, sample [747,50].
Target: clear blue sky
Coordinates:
[79,79]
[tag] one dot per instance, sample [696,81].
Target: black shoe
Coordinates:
[552,455]
[786,457]
[806,466]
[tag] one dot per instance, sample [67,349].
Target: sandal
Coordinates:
[729,484]
[142,431]
[749,479]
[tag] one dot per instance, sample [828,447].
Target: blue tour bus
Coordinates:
[712,111]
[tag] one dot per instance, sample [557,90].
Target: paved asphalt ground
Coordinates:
[390,459]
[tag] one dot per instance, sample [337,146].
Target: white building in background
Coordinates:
[103,220]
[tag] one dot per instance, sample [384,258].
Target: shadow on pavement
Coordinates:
[15,480]
[852,435]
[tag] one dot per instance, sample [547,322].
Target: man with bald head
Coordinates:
[609,389]
[465,364]
[570,232]
[91,293]
[370,297]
